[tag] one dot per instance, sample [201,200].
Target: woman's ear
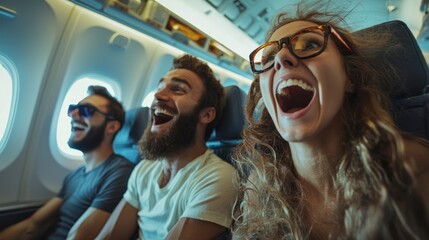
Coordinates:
[207,115]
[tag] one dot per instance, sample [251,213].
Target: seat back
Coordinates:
[410,94]
[227,133]
[126,141]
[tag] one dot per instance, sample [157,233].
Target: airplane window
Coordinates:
[6,94]
[76,93]
[147,101]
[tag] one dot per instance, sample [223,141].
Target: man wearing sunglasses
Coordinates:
[182,190]
[90,193]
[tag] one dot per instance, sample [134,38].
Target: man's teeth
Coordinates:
[162,111]
[293,82]
[78,125]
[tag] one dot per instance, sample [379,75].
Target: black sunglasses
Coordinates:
[86,111]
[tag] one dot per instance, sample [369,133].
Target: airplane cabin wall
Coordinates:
[29,41]
[54,43]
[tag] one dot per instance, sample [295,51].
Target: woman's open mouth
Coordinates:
[293,95]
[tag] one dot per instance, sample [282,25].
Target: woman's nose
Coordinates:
[285,59]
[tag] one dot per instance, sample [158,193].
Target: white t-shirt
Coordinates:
[202,190]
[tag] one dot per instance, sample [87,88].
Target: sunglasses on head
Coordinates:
[86,111]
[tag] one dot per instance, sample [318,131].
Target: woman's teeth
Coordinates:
[293,95]
[293,82]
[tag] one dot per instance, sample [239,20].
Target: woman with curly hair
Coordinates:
[324,160]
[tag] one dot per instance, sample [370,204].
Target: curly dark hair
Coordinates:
[214,93]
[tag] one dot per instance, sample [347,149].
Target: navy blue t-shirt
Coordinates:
[101,188]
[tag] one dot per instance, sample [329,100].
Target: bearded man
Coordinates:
[182,190]
[90,193]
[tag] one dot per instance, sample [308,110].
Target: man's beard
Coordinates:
[155,146]
[91,140]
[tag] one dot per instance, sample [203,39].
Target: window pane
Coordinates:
[77,92]
[5,100]
[147,101]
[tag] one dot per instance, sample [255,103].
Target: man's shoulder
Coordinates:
[78,171]
[214,160]
[211,176]
[148,166]
[117,165]
[117,160]
[213,166]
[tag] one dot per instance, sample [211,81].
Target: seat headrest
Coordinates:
[407,60]
[134,125]
[232,120]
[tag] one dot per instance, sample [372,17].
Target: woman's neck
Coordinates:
[315,167]
[315,159]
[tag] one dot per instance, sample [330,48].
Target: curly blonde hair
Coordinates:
[375,197]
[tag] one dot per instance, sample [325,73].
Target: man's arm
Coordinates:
[37,225]
[208,211]
[89,224]
[126,223]
[193,229]
[108,226]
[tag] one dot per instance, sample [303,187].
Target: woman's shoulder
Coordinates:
[417,153]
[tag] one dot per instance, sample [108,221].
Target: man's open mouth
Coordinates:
[75,126]
[293,95]
[161,116]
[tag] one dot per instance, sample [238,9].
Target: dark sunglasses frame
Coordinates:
[87,110]
[326,29]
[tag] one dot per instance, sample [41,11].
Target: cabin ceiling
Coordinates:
[241,25]
[254,16]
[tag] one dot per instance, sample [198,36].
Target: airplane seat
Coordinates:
[227,133]
[410,95]
[126,140]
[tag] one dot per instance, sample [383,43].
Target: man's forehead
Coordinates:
[95,100]
[185,75]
